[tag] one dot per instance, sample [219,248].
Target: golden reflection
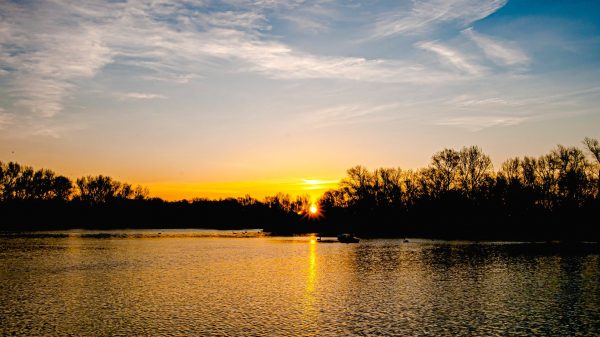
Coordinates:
[74,242]
[309,291]
[312,265]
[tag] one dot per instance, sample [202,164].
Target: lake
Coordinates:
[210,283]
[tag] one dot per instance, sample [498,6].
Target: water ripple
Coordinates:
[194,283]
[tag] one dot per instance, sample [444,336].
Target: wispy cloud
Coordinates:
[5,118]
[478,123]
[349,113]
[501,52]
[140,96]
[311,17]
[477,112]
[307,23]
[427,14]
[467,101]
[452,57]
[229,19]
[48,48]
[43,59]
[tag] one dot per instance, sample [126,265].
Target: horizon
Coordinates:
[226,98]
[313,188]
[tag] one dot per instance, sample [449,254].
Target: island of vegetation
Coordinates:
[457,196]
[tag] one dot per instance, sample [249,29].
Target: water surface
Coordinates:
[245,284]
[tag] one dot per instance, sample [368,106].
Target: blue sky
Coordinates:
[169,93]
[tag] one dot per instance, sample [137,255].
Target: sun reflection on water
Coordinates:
[310,305]
[312,266]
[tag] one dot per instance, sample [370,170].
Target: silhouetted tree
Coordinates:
[412,188]
[474,169]
[442,172]
[10,176]
[388,187]
[141,192]
[529,167]
[593,146]
[512,171]
[301,205]
[547,172]
[279,201]
[358,187]
[247,200]
[98,190]
[62,188]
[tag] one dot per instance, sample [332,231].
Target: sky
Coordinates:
[205,98]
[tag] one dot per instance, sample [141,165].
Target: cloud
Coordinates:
[349,113]
[478,112]
[44,60]
[276,62]
[307,23]
[453,57]
[478,123]
[312,17]
[427,14]
[49,48]
[229,19]
[5,119]
[500,52]
[140,96]
[468,101]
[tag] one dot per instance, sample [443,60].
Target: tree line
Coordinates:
[458,195]
[18,182]
[41,199]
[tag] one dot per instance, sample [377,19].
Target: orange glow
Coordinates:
[256,189]
[313,209]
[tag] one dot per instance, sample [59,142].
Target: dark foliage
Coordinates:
[555,196]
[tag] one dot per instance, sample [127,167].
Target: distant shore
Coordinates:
[457,196]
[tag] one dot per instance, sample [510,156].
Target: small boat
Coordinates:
[347,238]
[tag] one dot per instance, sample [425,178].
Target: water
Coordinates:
[244,284]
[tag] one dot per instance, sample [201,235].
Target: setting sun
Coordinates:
[313,209]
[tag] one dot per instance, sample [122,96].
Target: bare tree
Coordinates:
[388,186]
[572,178]
[547,173]
[62,188]
[474,168]
[445,165]
[97,190]
[593,146]
[512,171]
[301,205]
[11,173]
[528,165]
[358,186]
[279,201]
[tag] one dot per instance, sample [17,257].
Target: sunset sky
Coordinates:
[222,98]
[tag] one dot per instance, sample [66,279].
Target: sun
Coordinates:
[313,209]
